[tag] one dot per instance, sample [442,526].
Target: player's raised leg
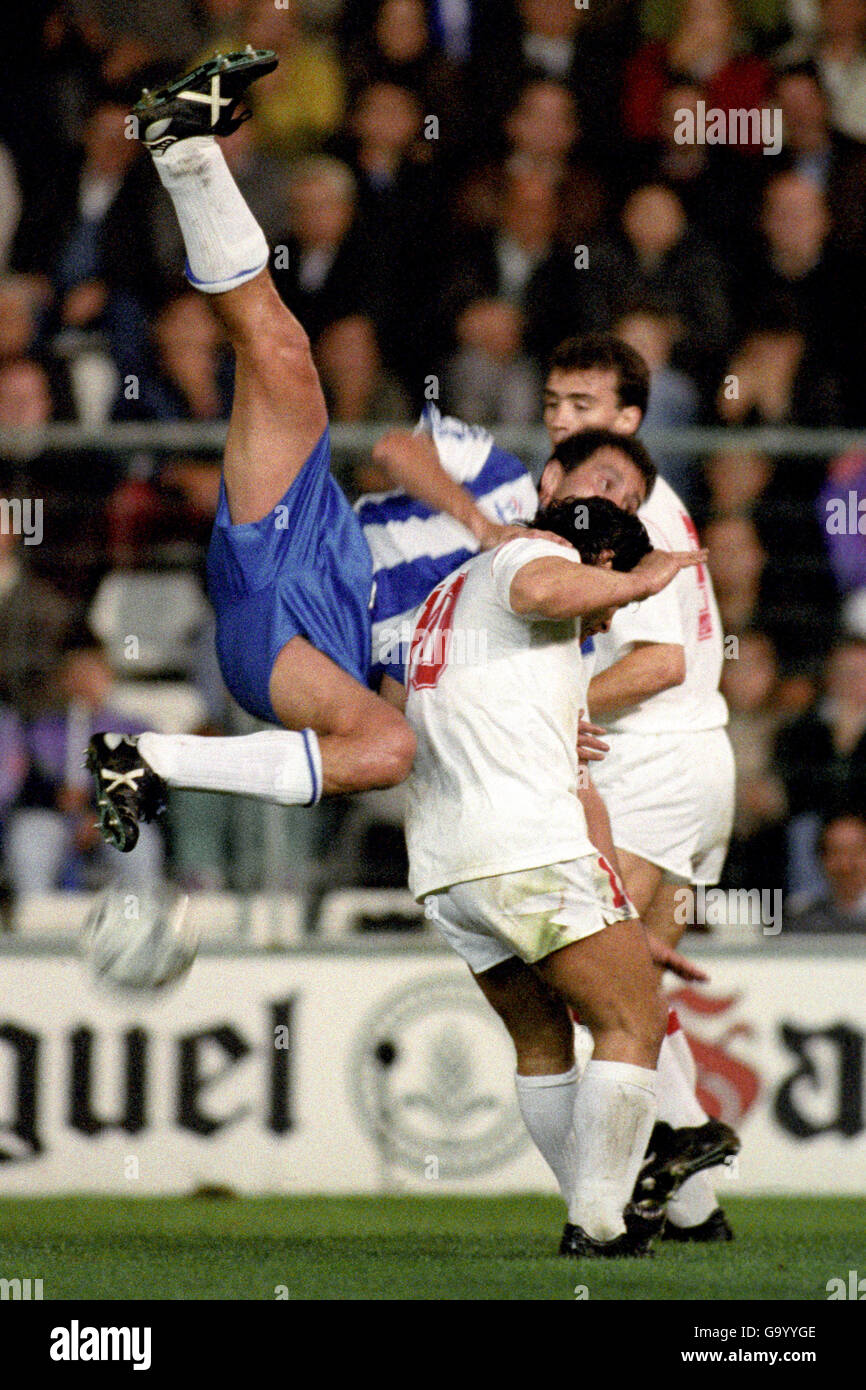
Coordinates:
[278,411]
[289,571]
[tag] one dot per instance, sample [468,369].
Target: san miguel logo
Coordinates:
[432,1081]
[727,1086]
[822,1084]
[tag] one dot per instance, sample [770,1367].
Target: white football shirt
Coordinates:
[685,613]
[493,698]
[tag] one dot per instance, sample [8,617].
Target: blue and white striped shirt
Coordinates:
[415,548]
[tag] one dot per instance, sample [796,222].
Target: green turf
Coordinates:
[406,1247]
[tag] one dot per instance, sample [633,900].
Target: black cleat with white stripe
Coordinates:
[675,1155]
[204,102]
[128,790]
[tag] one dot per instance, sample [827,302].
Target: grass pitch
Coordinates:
[406,1247]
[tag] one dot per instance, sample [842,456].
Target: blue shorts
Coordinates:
[304,570]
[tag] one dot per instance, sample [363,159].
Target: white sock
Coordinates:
[614,1115]
[679,1045]
[225,246]
[695,1201]
[547,1106]
[583,1047]
[679,1106]
[276,765]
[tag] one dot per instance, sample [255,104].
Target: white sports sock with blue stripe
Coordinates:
[225,246]
[275,765]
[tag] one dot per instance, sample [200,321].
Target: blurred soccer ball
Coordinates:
[140,941]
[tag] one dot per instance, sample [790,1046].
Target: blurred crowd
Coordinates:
[450,188]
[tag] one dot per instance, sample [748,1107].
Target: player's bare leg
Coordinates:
[641,879]
[540,1027]
[608,977]
[339,736]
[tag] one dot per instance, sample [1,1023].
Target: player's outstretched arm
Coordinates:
[412,463]
[559,589]
[646,670]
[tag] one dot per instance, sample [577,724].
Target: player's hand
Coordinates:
[490,534]
[590,745]
[656,570]
[668,959]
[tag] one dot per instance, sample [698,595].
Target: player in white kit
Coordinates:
[499,847]
[668,779]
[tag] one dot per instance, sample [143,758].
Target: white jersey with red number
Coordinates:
[493,698]
[685,613]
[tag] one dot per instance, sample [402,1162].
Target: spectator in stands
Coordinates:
[400,200]
[674,400]
[34,622]
[707,48]
[840,906]
[25,400]
[772,379]
[765,20]
[71,551]
[129,38]
[191,377]
[51,840]
[490,380]
[658,256]
[717,185]
[88,236]
[398,50]
[18,321]
[356,386]
[542,135]
[821,757]
[796,602]
[583,47]
[299,105]
[737,561]
[812,149]
[735,482]
[750,684]
[329,269]
[798,277]
[458,28]
[838,50]
[520,261]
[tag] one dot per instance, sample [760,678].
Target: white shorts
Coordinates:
[670,798]
[529,914]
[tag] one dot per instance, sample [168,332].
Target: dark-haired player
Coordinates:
[659,665]
[500,850]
